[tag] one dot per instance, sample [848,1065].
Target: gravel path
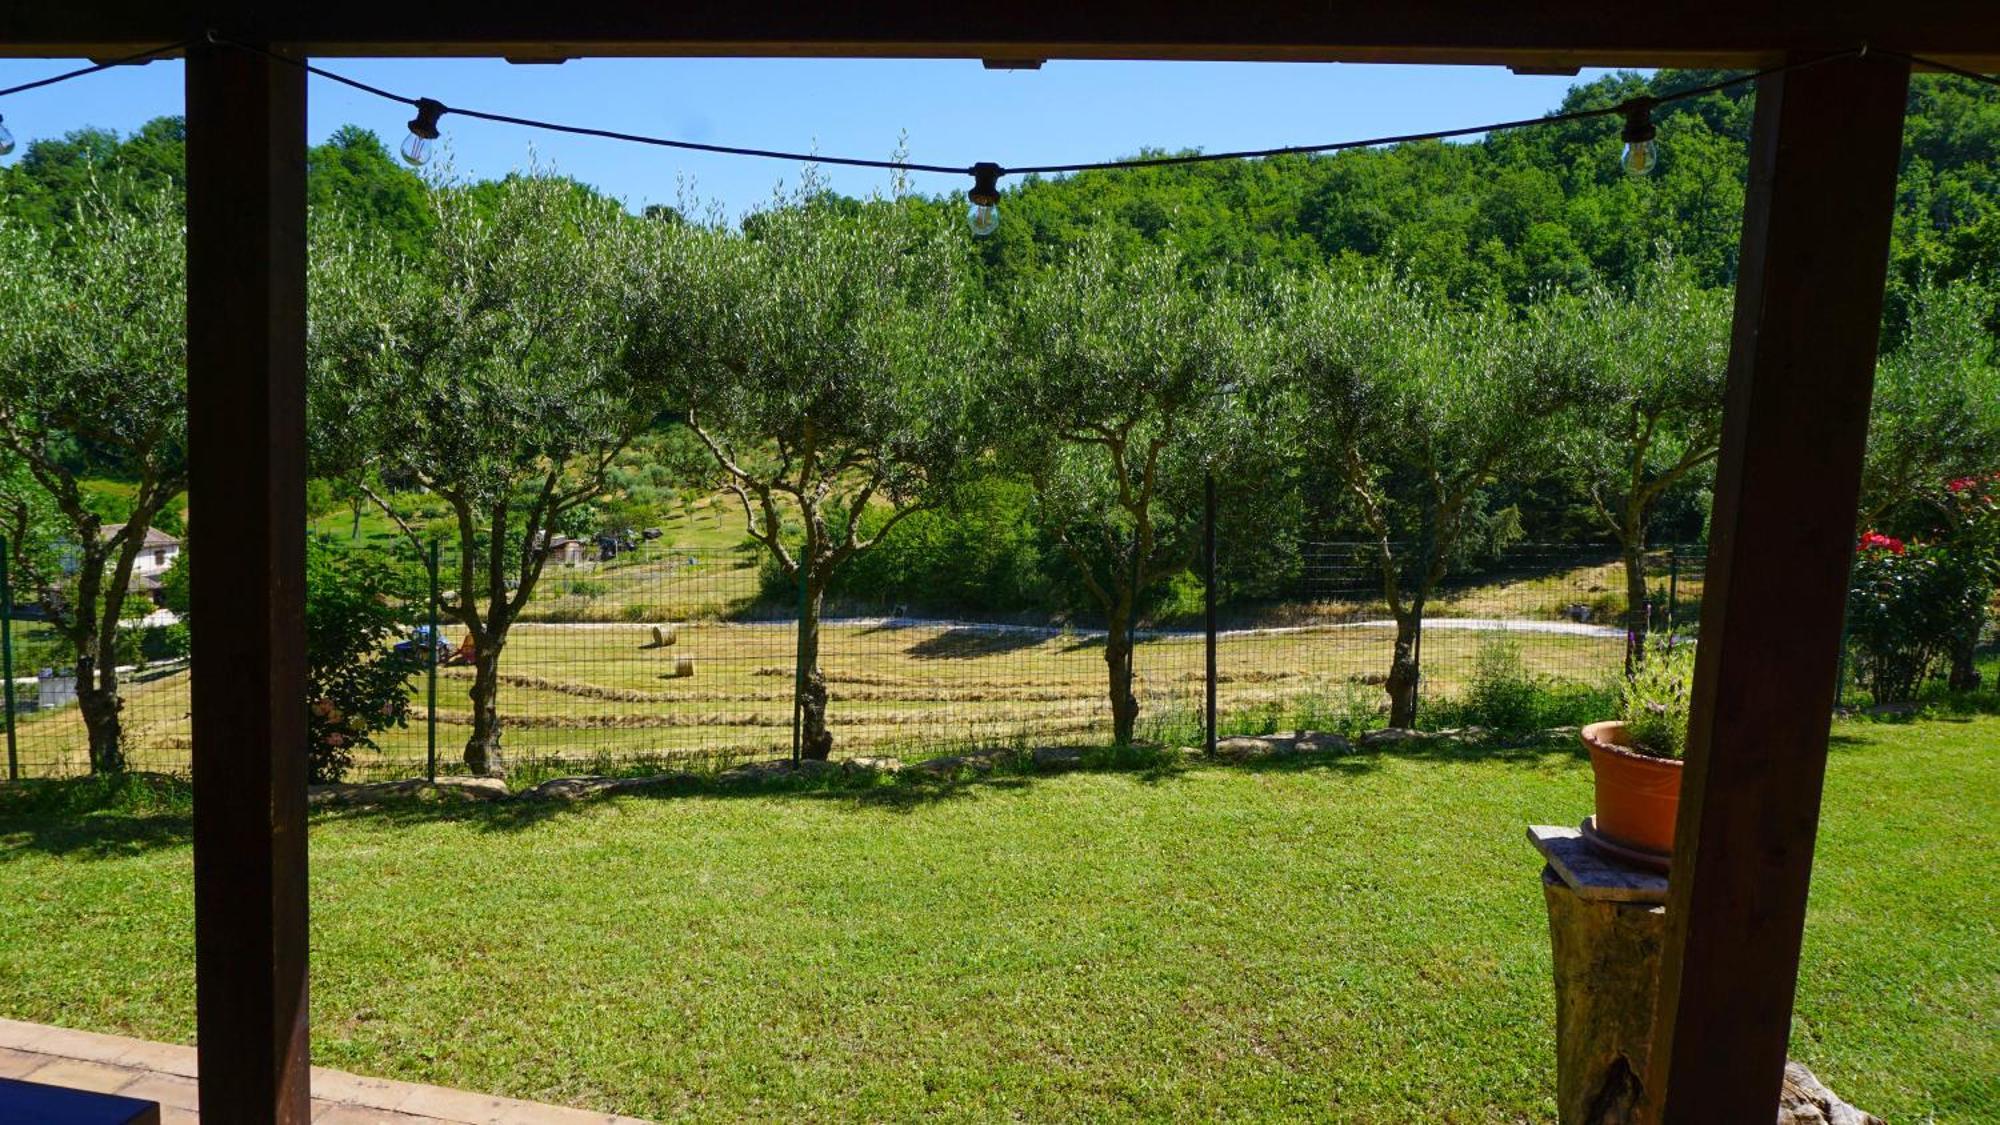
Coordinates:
[1472,624]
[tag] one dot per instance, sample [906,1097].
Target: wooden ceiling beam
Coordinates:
[1553,35]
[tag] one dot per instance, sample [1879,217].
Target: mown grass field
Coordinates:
[578,693]
[1358,938]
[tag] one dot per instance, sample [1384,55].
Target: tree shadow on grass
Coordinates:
[969,643]
[97,836]
[112,834]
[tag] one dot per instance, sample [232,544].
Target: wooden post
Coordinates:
[1823,160]
[246,446]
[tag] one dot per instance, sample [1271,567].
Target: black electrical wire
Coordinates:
[1934,64]
[1620,109]
[588,131]
[144,56]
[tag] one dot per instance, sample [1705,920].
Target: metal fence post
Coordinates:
[431,687]
[1417,688]
[7,658]
[1208,599]
[1673,591]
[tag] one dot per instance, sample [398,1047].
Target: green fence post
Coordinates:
[431,688]
[7,658]
[1417,688]
[1208,601]
[1673,591]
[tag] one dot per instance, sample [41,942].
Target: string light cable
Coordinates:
[1639,157]
[137,58]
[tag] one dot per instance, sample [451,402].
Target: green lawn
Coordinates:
[1357,939]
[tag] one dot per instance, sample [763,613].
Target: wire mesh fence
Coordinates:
[635,653]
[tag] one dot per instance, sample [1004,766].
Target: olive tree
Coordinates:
[1125,380]
[837,354]
[1935,415]
[1418,407]
[93,384]
[1647,406]
[491,370]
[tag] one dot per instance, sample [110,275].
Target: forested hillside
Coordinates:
[1505,220]
[1535,207]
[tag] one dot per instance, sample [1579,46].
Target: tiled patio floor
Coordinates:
[164,1072]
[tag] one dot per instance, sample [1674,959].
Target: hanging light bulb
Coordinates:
[6,138]
[984,213]
[423,132]
[1642,152]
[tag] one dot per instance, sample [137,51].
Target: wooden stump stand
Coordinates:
[1607,920]
[1607,923]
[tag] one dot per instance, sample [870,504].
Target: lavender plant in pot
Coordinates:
[1636,758]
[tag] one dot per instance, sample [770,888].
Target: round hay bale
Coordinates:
[683,667]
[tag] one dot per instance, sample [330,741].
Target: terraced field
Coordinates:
[581,692]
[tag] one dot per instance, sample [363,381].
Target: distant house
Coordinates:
[566,551]
[158,553]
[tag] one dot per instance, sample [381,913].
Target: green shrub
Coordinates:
[1181,598]
[357,605]
[981,552]
[164,642]
[1506,698]
[1655,700]
[1503,695]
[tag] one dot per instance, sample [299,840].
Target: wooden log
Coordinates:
[1607,961]
[1608,929]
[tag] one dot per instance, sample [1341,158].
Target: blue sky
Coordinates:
[953,111]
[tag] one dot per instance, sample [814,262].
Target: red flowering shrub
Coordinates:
[1912,605]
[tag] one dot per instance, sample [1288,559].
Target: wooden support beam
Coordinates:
[246,214]
[1545,35]
[1823,160]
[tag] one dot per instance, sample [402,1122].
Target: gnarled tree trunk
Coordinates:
[482,748]
[1637,619]
[1403,668]
[815,740]
[1964,673]
[1118,663]
[97,698]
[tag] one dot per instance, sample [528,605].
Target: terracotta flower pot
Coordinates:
[1637,794]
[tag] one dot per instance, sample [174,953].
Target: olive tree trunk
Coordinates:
[1637,619]
[482,749]
[1964,673]
[1118,664]
[97,699]
[815,740]
[1404,671]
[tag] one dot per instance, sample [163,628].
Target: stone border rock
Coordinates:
[375,793]
[978,761]
[1246,747]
